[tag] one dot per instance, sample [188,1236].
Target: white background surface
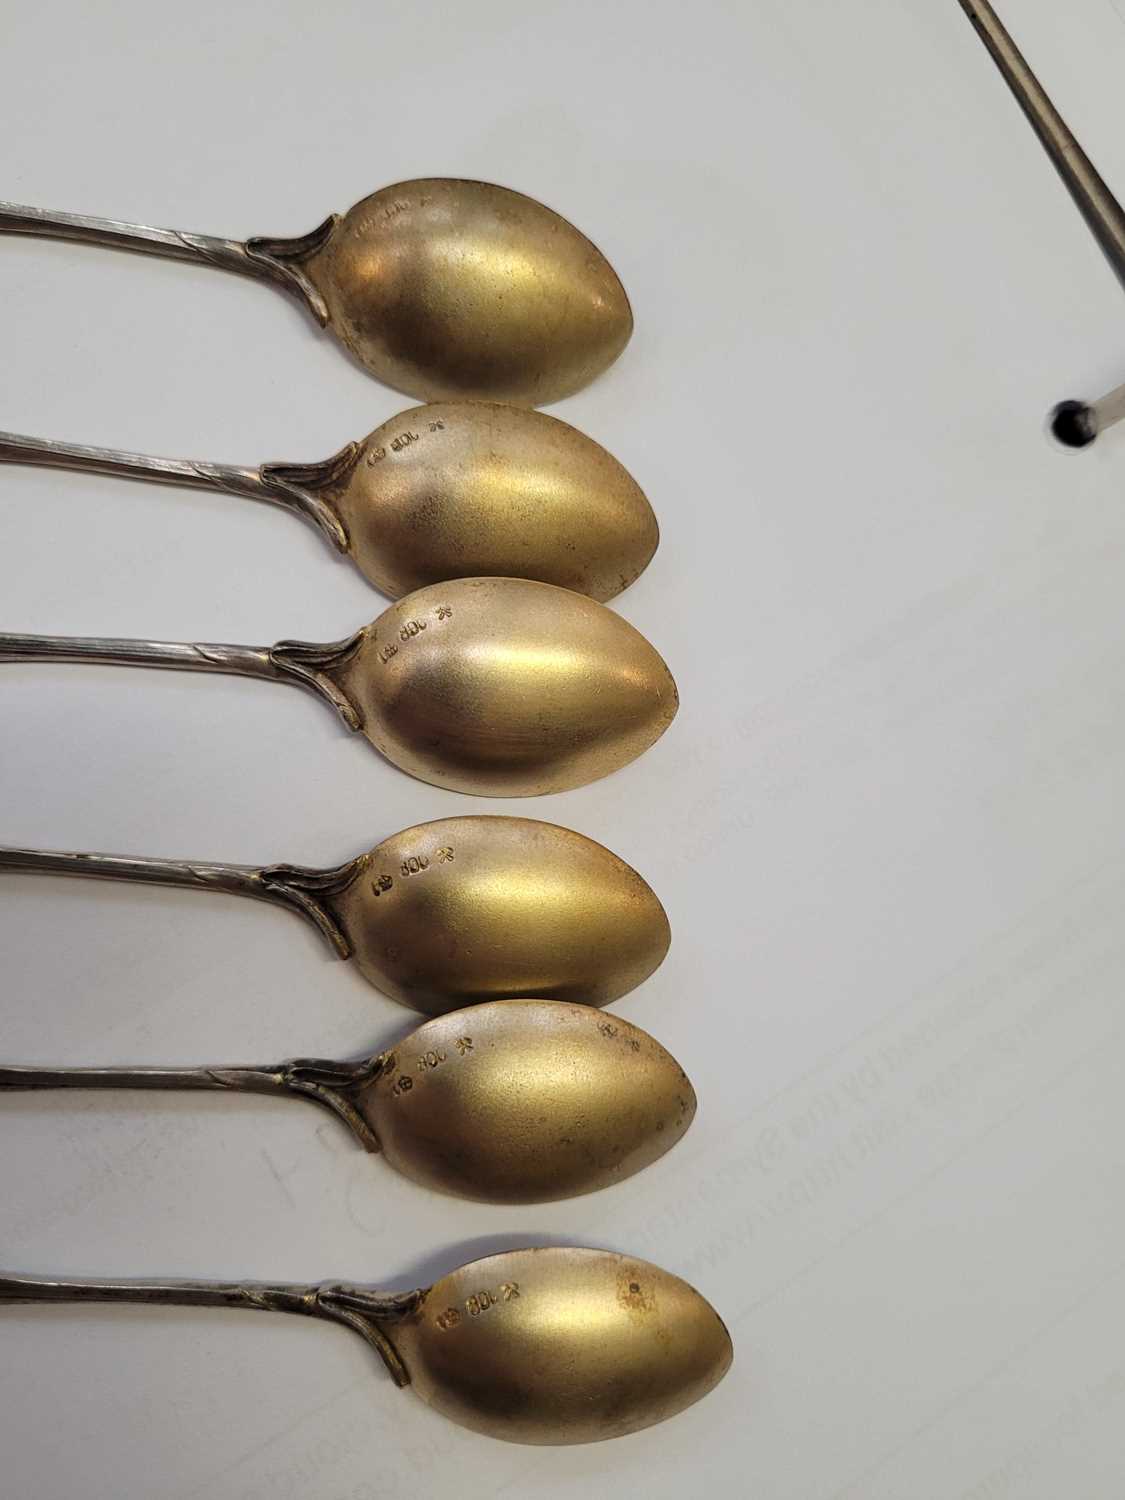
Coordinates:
[887,824]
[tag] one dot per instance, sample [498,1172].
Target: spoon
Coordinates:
[439,287]
[516,1101]
[453,490]
[497,686]
[548,1346]
[448,913]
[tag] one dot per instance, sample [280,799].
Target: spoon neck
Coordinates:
[336,1086]
[311,892]
[363,1310]
[280,261]
[303,489]
[1101,210]
[296,887]
[315,665]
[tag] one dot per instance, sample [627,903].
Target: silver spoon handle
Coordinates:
[1098,206]
[183,656]
[307,664]
[293,486]
[356,1307]
[276,260]
[15,448]
[205,249]
[283,1298]
[235,880]
[334,1085]
[295,887]
[252,1080]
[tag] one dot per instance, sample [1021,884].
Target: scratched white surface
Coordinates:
[888,823]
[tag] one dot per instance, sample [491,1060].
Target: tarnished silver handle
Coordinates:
[250,1080]
[307,664]
[296,887]
[235,880]
[294,487]
[173,244]
[333,1085]
[182,656]
[268,1298]
[276,260]
[357,1307]
[15,448]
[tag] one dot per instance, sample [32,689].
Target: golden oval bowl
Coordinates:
[445,287]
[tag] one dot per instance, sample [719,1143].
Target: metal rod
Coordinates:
[1098,206]
[1076,424]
